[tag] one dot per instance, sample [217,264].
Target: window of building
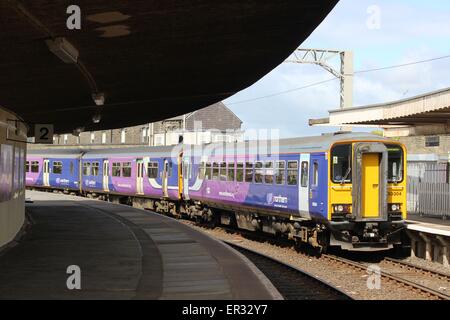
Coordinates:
[268,172]
[103,137]
[223,171]
[123,136]
[126,169]
[259,172]
[92,137]
[116,169]
[215,171]
[65,138]
[152,170]
[34,166]
[94,168]
[304,176]
[144,135]
[432,141]
[292,173]
[239,172]
[86,168]
[27,166]
[316,174]
[208,171]
[280,175]
[249,172]
[230,171]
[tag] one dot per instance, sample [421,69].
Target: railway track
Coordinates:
[416,281]
[398,278]
[418,269]
[291,282]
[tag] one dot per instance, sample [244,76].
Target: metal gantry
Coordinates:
[322,57]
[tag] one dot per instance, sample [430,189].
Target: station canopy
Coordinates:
[147,60]
[430,110]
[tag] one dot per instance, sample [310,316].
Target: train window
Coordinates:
[215,171]
[230,172]
[169,173]
[315,174]
[341,160]
[34,166]
[71,167]
[27,166]
[268,172]
[86,169]
[304,176]
[223,171]
[280,175]
[239,172]
[94,169]
[395,163]
[208,171]
[152,169]
[201,170]
[57,167]
[292,173]
[249,172]
[116,169]
[126,169]
[259,172]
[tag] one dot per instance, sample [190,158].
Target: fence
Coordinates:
[428,189]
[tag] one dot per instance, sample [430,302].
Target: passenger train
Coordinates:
[343,189]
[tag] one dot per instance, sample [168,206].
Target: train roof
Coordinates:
[288,145]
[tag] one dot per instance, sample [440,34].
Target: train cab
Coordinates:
[367,194]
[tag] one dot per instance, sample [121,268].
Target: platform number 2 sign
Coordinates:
[43,133]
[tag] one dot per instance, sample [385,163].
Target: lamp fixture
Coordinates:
[63,49]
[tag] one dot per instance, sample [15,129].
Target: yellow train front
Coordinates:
[367,194]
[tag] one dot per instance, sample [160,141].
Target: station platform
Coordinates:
[122,253]
[430,238]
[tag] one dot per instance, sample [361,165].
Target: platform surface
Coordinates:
[123,253]
[429,225]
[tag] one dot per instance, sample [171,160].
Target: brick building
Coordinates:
[211,124]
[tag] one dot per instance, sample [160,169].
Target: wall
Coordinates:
[12,177]
[416,145]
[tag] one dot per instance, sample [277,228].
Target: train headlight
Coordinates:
[395,207]
[341,208]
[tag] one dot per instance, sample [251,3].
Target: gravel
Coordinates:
[351,281]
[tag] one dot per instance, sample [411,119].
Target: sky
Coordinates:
[380,33]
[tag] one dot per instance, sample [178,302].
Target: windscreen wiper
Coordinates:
[346,175]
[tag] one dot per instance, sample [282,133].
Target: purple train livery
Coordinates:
[344,189]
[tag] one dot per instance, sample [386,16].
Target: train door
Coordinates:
[318,191]
[165,178]
[370,185]
[186,175]
[106,175]
[46,173]
[140,177]
[303,196]
[370,181]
